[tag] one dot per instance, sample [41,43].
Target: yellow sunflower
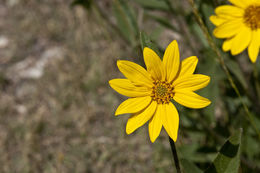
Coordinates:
[239,24]
[152,90]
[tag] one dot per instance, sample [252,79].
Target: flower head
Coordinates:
[151,90]
[239,24]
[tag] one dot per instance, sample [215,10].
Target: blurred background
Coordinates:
[57,109]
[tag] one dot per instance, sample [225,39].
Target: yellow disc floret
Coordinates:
[162,92]
[252,16]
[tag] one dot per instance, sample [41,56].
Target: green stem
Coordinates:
[175,156]
[222,63]
[256,78]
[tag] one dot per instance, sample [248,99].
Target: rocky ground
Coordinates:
[56,108]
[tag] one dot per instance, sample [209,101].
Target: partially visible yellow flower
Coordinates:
[152,90]
[239,24]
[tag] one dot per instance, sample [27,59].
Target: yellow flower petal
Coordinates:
[228,29]
[229,10]
[153,64]
[125,87]
[170,120]
[188,66]
[139,119]
[171,60]
[135,73]
[191,82]
[190,99]
[133,105]
[216,20]
[221,19]
[155,124]
[241,41]
[250,2]
[227,44]
[253,49]
[239,3]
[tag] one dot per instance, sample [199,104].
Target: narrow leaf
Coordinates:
[146,42]
[130,14]
[236,70]
[163,21]
[123,22]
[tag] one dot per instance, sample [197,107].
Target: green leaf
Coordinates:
[163,21]
[195,28]
[189,167]
[123,22]
[228,158]
[130,14]
[146,42]
[153,4]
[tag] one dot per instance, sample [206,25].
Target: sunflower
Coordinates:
[239,24]
[151,91]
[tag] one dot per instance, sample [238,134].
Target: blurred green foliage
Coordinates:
[203,132]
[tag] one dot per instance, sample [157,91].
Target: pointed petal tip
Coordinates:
[110,82]
[116,113]
[196,58]
[174,139]
[233,52]
[216,20]
[152,140]
[193,59]
[253,60]
[253,56]
[147,49]
[214,32]
[212,17]
[174,42]
[119,62]
[208,102]
[128,132]
[208,79]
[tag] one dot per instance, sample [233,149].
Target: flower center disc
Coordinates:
[162,92]
[252,17]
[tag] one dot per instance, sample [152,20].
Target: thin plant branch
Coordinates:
[256,79]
